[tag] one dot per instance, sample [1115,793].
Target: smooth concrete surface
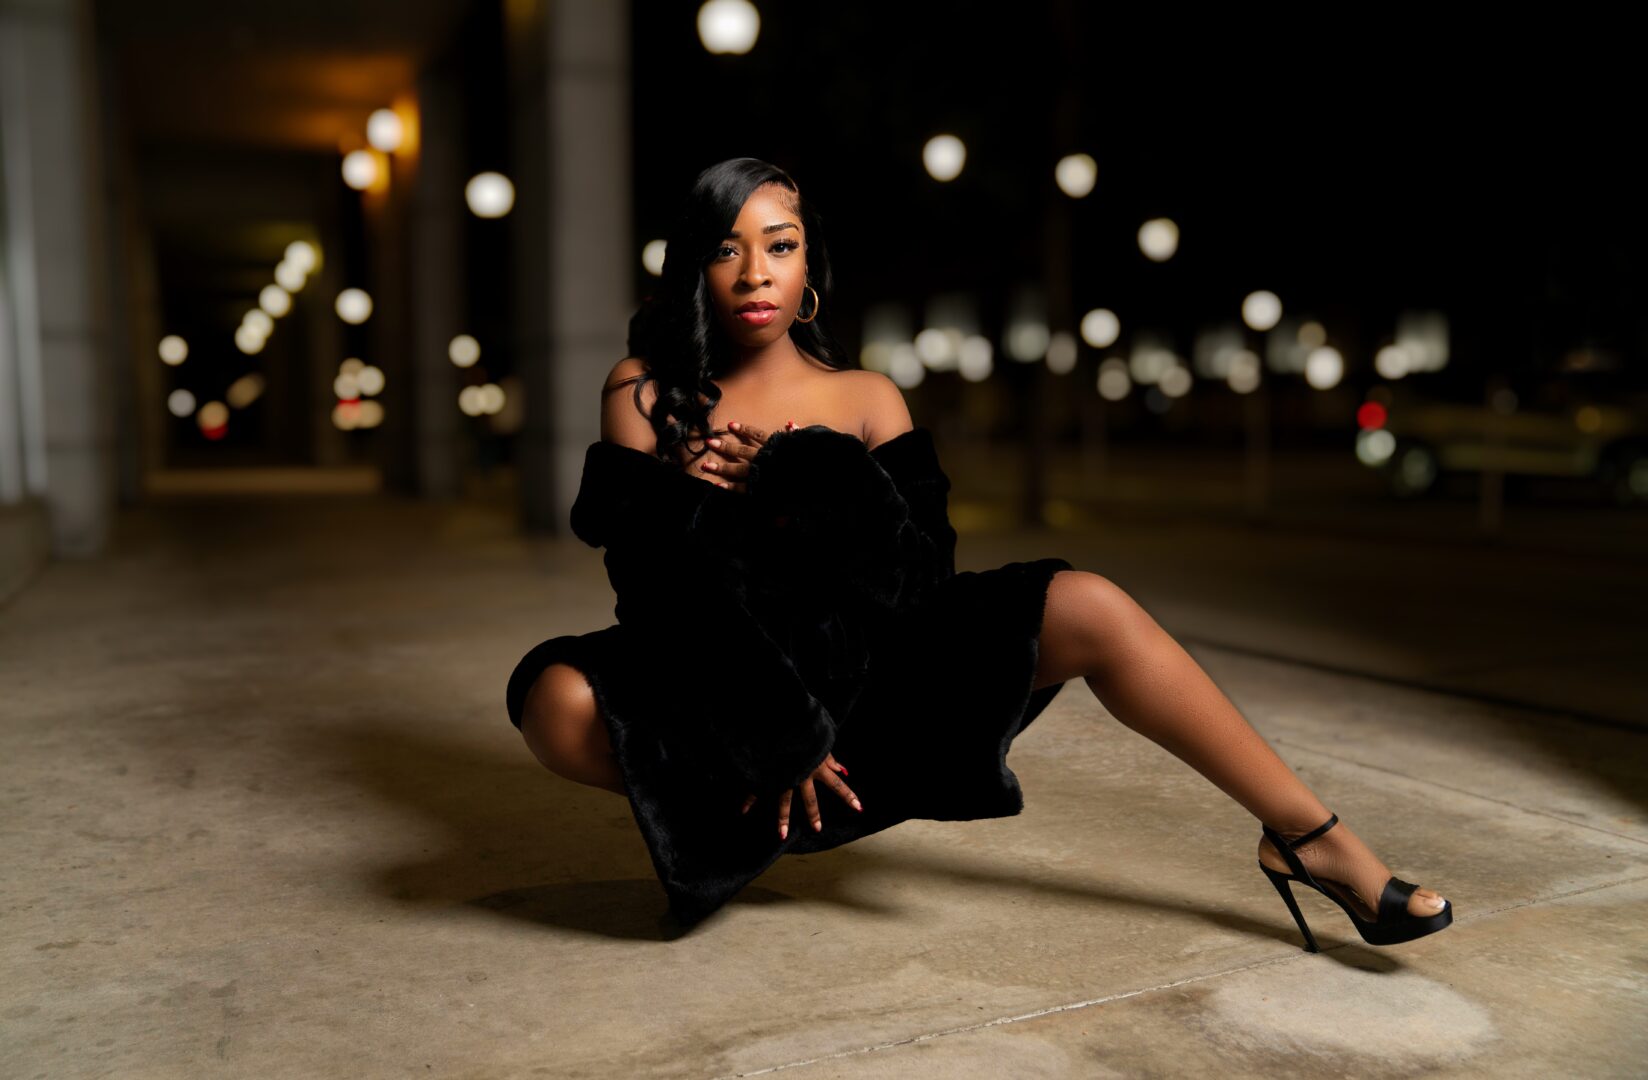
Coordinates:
[263,814]
[25,544]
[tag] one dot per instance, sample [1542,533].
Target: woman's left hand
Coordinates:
[826,773]
[743,443]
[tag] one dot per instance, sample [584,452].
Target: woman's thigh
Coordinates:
[562,725]
[1085,625]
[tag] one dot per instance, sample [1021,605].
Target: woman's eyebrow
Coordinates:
[769,229]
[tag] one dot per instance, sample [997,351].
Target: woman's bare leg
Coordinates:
[1094,630]
[562,726]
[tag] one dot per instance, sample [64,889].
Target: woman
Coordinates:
[799,557]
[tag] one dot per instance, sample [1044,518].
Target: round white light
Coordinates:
[469,401]
[728,26]
[347,387]
[489,194]
[370,380]
[354,306]
[1324,367]
[492,399]
[290,276]
[1261,310]
[173,350]
[904,367]
[1061,353]
[370,415]
[938,347]
[1159,239]
[943,156]
[1312,334]
[1375,447]
[384,131]
[302,254]
[1392,362]
[248,340]
[464,351]
[1148,363]
[360,169]
[180,403]
[1175,381]
[351,366]
[1027,340]
[258,321]
[1100,328]
[275,300]
[652,257]
[1114,381]
[1243,376]
[1076,174]
[976,358]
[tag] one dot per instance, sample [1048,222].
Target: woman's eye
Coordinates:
[782,245]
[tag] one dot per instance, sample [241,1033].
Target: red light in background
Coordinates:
[215,432]
[1370,415]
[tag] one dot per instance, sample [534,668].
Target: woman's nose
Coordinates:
[755,271]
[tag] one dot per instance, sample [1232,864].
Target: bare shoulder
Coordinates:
[878,401]
[623,420]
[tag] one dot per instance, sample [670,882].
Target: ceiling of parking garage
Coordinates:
[298,75]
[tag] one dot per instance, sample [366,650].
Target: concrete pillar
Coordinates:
[324,352]
[576,249]
[60,419]
[388,221]
[437,247]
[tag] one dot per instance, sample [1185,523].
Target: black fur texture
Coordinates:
[819,612]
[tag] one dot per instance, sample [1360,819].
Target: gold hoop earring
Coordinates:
[816,301]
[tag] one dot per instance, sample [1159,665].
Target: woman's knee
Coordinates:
[1089,620]
[561,723]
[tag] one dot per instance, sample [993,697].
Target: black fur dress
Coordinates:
[817,612]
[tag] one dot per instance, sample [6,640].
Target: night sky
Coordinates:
[1356,170]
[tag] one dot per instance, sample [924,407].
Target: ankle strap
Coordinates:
[1308,837]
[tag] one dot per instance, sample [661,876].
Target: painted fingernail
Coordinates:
[783,831]
[843,768]
[818,826]
[715,442]
[732,425]
[857,805]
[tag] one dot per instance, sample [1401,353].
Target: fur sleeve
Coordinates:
[675,554]
[876,522]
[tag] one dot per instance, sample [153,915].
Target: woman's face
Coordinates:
[761,263]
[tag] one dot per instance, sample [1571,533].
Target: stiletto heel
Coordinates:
[1394,922]
[1282,886]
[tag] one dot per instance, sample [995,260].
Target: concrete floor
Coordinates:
[263,815]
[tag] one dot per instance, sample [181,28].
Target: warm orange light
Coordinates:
[406,107]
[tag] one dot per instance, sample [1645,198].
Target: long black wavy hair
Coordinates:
[675,330]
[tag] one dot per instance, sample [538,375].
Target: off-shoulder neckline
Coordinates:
[900,438]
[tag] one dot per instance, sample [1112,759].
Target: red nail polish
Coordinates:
[842,767]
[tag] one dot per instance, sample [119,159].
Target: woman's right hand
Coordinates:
[826,773]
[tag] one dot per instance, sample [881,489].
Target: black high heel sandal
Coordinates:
[1395,923]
